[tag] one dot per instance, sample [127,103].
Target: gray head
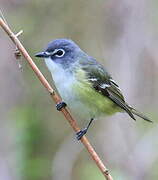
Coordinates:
[61,51]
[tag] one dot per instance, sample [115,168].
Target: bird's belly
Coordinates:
[84,102]
[72,98]
[66,85]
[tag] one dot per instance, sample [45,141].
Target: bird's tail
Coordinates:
[141,115]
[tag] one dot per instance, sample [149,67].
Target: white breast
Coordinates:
[62,78]
[64,82]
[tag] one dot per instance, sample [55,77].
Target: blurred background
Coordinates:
[36,142]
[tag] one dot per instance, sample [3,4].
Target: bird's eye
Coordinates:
[59,53]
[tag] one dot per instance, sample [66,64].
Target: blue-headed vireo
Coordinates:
[83,83]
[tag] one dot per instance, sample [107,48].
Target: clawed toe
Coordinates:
[81,133]
[60,105]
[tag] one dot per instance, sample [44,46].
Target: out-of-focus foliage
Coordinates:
[36,142]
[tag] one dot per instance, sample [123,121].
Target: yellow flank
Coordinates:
[94,100]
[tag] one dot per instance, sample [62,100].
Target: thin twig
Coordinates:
[56,98]
[1,13]
[19,33]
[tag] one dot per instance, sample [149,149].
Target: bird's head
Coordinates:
[63,52]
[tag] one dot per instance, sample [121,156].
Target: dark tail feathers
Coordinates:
[141,115]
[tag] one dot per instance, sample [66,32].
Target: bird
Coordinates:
[84,84]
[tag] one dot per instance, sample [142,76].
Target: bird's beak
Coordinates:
[42,55]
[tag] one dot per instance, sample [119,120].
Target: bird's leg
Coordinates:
[60,105]
[84,131]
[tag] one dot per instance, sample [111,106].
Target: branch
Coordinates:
[56,98]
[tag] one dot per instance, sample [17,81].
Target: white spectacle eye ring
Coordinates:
[59,52]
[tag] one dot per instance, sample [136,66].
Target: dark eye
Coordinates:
[59,53]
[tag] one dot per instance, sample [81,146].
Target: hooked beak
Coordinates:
[42,55]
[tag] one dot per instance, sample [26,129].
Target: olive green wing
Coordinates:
[103,83]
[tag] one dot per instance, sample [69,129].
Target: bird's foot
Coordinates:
[60,105]
[81,133]
[84,131]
